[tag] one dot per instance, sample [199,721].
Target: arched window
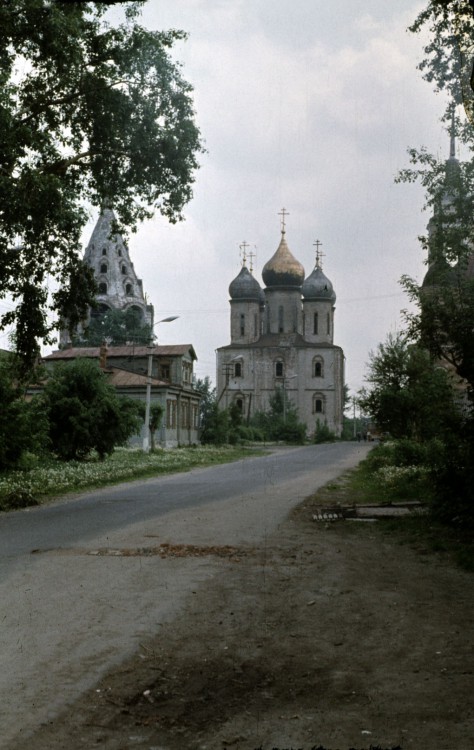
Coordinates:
[103,268]
[104,251]
[318,367]
[240,404]
[124,269]
[280,319]
[128,289]
[318,403]
[278,369]
[119,253]
[102,287]
[242,324]
[315,323]
[328,324]
[238,370]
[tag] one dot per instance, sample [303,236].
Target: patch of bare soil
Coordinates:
[329,635]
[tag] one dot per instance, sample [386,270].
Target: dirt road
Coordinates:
[327,635]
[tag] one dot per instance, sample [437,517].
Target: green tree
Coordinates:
[23,424]
[90,112]
[85,413]
[280,421]
[449,54]
[208,400]
[409,396]
[156,415]
[116,327]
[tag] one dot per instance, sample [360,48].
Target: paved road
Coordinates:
[67,616]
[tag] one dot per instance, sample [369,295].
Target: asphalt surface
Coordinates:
[68,614]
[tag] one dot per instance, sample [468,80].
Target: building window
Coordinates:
[255,325]
[124,270]
[119,253]
[315,323]
[242,324]
[239,402]
[104,251]
[128,289]
[328,324]
[280,319]
[279,369]
[318,367]
[103,268]
[171,409]
[102,287]
[238,370]
[185,414]
[164,372]
[318,403]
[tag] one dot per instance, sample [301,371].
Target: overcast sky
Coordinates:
[311,106]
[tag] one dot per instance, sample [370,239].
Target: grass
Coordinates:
[361,486]
[52,478]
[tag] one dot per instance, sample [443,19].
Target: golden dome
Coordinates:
[283,269]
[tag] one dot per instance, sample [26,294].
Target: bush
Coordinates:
[23,425]
[85,413]
[323,434]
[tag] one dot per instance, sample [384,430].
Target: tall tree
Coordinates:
[89,112]
[444,320]
[85,413]
[408,396]
[449,54]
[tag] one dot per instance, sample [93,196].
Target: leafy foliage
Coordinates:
[85,414]
[89,112]
[409,397]
[117,327]
[23,425]
[280,422]
[323,434]
[449,55]
[156,415]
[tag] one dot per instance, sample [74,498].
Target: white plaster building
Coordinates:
[282,336]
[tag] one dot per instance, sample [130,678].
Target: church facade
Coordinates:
[159,374]
[119,288]
[282,337]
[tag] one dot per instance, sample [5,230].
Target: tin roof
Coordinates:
[93,352]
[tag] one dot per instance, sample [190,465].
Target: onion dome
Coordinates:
[318,286]
[245,287]
[283,269]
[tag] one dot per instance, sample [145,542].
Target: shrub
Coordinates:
[323,434]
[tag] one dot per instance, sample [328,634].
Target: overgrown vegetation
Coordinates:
[53,477]
[92,112]
[371,483]
[421,382]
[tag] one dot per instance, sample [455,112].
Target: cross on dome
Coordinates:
[243,252]
[252,255]
[319,253]
[283,213]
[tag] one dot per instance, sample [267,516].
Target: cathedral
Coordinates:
[282,337]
